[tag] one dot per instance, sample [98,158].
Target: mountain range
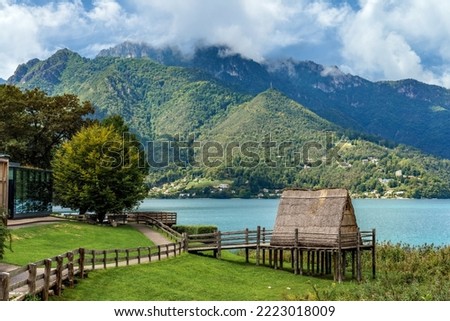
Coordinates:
[282,119]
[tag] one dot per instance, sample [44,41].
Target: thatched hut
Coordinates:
[321,219]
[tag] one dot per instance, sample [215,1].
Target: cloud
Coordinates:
[372,38]
[36,31]
[394,40]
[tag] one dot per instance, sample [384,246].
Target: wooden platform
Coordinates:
[309,256]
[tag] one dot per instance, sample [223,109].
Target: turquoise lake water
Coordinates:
[413,222]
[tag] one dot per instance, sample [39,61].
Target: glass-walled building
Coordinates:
[30,192]
[24,192]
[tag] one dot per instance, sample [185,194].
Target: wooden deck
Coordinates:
[306,251]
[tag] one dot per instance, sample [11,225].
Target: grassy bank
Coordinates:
[194,278]
[404,274]
[31,244]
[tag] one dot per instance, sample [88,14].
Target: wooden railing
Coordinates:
[167,218]
[229,239]
[170,232]
[322,240]
[261,236]
[40,277]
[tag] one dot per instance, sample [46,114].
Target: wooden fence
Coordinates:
[50,274]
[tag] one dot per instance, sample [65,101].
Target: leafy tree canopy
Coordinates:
[99,171]
[32,124]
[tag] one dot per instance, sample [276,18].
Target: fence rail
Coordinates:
[228,240]
[51,273]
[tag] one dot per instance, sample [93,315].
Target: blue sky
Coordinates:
[376,39]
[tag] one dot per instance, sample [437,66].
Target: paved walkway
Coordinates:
[13,224]
[151,234]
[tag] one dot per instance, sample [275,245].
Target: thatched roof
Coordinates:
[319,217]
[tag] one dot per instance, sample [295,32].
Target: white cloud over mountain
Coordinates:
[375,39]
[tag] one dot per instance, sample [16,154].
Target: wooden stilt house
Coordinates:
[321,226]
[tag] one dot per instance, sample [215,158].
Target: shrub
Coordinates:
[195,229]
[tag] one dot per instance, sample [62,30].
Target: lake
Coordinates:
[413,222]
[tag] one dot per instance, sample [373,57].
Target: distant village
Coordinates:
[203,188]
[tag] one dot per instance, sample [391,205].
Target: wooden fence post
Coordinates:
[81,261]
[159,252]
[32,269]
[358,258]
[374,257]
[246,249]
[149,254]
[70,272]
[185,242]
[167,251]
[104,259]
[47,271]
[127,256]
[93,259]
[139,255]
[219,244]
[264,242]
[258,244]
[4,286]
[59,274]
[116,257]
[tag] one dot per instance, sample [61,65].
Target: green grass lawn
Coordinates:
[195,278]
[31,244]
[404,274]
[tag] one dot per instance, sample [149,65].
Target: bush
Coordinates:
[195,229]
[5,236]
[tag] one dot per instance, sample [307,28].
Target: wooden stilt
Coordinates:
[353,264]
[281,258]
[308,262]
[322,262]
[275,259]
[301,262]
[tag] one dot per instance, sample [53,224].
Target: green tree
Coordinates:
[32,124]
[99,171]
